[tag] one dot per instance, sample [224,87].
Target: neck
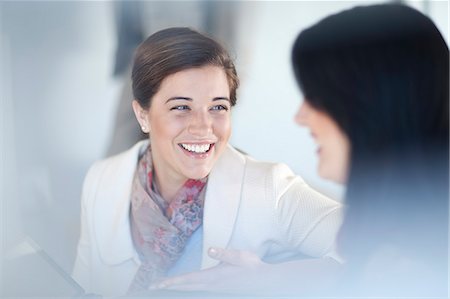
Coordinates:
[167,186]
[167,181]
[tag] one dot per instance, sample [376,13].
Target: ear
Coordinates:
[141,116]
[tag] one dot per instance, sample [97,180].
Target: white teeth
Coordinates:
[196,148]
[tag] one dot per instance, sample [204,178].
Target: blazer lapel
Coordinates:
[112,205]
[222,200]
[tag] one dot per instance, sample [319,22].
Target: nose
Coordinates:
[200,124]
[301,117]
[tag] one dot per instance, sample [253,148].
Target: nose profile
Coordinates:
[301,116]
[200,124]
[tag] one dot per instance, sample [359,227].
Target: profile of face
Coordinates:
[333,145]
[189,123]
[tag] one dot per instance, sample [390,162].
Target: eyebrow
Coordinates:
[190,99]
[178,98]
[221,98]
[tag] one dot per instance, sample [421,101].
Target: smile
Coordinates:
[197,148]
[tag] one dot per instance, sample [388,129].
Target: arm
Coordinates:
[306,222]
[81,270]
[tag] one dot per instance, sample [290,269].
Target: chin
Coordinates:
[331,177]
[326,174]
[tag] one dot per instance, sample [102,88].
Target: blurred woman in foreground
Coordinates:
[376,86]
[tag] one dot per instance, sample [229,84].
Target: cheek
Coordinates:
[334,159]
[344,158]
[164,130]
[222,127]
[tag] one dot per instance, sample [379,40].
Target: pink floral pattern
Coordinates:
[160,230]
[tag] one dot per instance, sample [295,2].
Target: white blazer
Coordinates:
[249,205]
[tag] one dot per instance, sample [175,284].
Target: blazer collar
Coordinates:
[222,200]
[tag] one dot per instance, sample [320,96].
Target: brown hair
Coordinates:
[172,50]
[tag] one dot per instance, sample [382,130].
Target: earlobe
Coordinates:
[141,116]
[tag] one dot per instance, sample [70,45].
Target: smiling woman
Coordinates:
[156,209]
[189,120]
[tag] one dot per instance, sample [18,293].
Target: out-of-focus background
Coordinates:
[65,102]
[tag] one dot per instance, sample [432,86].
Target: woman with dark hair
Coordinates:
[376,86]
[157,208]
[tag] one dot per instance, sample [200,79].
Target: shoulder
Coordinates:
[289,193]
[121,160]
[112,170]
[275,177]
[302,218]
[255,169]
[126,157]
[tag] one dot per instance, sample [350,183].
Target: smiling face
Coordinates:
[189,120]
[333,145]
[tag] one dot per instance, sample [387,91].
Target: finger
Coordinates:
[224,255]
[240,258]
[229,256]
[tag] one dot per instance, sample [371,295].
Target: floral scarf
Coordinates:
[160,230]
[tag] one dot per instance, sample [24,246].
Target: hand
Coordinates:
[239,272]
[239,258]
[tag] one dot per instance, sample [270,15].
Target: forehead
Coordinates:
[200,80]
